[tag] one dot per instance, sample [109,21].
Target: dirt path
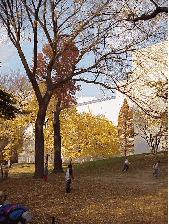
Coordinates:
[141,179]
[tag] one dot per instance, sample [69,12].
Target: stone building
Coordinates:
[28,153]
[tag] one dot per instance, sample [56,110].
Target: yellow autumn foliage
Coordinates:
[12,131]
[85,135]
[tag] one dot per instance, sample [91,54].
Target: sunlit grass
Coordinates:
[118,161]
[29,169]
[101,193]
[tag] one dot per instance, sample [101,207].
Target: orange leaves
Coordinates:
[29,39]
[62,68]
[63,63]
[47,51]
[41,66]
[126,127]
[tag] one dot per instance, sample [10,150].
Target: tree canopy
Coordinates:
[64,96]
[126,128]
[102,30]
[87,136]
[150,66]
[12,130]
[8,109]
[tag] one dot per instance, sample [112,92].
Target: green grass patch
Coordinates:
[99,163]
[138,160]
[146,159]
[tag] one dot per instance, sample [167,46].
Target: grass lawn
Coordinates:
[100,193]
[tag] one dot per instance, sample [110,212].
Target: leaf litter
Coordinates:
[110,196]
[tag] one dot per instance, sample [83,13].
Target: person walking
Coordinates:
[156,169]
[69,175]
[126,166]
[45,172]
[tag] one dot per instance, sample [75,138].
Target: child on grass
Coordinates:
[156,166]
[69,175]
[126,166]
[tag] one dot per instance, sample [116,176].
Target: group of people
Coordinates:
[19,214]
[69,176]
[156,166]
[69,172]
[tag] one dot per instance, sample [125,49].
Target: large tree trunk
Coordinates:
[39,139]
[39,146]
[57,140]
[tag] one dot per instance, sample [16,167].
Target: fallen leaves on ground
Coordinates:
[111,196]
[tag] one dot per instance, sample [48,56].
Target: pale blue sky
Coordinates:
[10,61]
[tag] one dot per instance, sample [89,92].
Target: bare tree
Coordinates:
[150,67]
[102,30]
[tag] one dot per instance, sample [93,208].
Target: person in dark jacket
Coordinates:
[69,175]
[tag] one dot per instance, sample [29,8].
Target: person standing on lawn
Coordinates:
[69,175]
[126,166]
[156,168]
[45,172]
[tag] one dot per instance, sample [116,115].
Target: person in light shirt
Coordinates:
[69,176]
[156,169]
[126,166]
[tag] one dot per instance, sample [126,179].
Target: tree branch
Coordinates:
[94,82]
[145,17]
[121,91]
[40,22]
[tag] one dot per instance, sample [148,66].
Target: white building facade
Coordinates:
[150,66]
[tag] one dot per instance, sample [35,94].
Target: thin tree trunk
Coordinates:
[125,137]
[57,140]
[1,172]
[125,145]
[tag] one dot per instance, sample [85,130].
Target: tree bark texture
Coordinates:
[57,140]
[39,142]
[125,136]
